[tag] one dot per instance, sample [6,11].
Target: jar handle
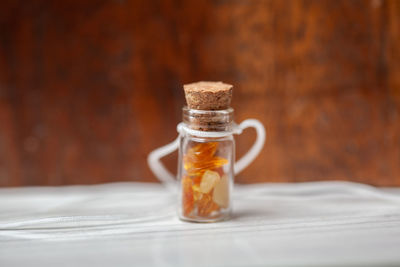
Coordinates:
[159,170]
[245,161]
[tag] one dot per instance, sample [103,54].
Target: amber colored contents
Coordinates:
[201,157]
[204,171]
[220,171]
[206,205]
[198,168]
[196,180]
[197,195]
[187,195]
[202,151]
[221,192]
[208,181]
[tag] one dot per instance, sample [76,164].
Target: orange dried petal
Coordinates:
[200,152]
[203,150]
[196,180]
[187,195]
[199,167]
[206,205]
[220,171]
[196,193]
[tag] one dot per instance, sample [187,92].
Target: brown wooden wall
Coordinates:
[89,88]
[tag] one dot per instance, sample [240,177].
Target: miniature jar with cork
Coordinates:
[206,161]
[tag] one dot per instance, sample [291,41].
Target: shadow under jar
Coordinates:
[205,165]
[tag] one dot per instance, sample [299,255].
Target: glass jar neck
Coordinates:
[208,120]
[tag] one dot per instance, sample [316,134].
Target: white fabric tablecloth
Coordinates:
[135,224]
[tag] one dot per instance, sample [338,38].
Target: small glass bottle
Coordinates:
[205,165]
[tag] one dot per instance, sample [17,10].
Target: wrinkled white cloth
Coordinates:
[135,224]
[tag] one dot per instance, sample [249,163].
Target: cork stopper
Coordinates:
[208,95]
[208,106]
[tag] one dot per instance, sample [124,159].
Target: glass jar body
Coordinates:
[205,174]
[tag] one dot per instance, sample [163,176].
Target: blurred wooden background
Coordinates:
[89,88]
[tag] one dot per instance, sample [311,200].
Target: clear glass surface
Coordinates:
[205,175]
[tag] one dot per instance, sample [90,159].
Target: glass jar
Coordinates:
[205,165]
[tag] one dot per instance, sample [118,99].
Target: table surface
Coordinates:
[135,224]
